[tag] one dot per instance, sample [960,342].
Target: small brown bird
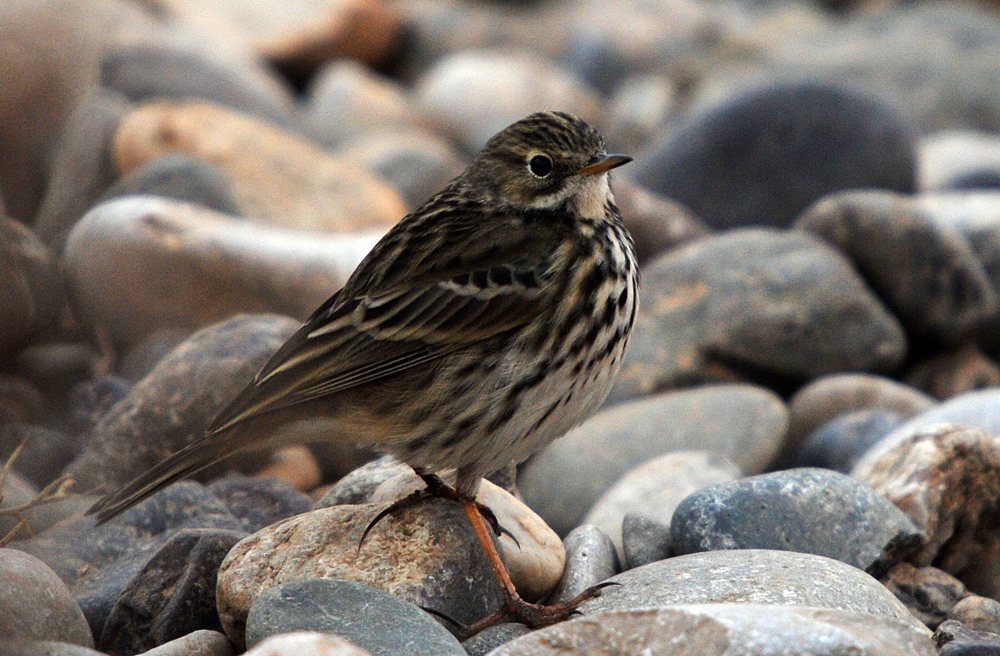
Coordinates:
[484,325]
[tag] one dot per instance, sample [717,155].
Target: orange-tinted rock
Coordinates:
[277,177]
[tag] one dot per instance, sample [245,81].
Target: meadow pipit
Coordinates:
[484,325]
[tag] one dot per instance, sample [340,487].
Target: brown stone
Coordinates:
[947,479]
[929,593]
[426,554]
[534,556]
[295,465]
[277,177]
[948,374]
[138,266]
[297,35]
[978,613]
[30,287]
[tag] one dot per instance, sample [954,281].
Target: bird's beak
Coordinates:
[603,164]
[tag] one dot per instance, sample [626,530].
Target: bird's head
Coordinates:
[545,160]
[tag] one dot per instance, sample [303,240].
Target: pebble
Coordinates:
[828,397]
[891,240]
[82,168]
[946,156]
[743,423]
[17,647]
[492,637]
[39,82]
[277,178]
[347,100]
[178,399]
[417,163]
[374,620]
[180,177]
[590,559]
[841,442]
[947,479]
[751,576]
[294,465]
[762,156]
[259,502]
[953,372]
[808,510]
[99,563]
[32,294]
[139,266]
[427,555]
[750,302]
[928,592]
[36,605]
[655,488]
[197,643]
[725,630]
[474,94]
[306,643]
[358,486]
[149,70]
[656,223]
[955,639]
[644,540]
[978,613]
[173,594]
[533,554]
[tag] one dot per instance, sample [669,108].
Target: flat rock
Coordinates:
[173,405]
[655,488]
[891,241]
[277,178]
[754,303]
[947,479]
[425,554]
[375,621]
[751,576]
[36,605]
[726,630]
[763,155]
[807,510]
[168,265]
[743,423]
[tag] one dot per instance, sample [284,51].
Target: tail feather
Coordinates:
[186,462]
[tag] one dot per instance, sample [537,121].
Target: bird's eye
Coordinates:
[540,166]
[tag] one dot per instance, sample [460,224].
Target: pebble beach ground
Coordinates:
[800,456]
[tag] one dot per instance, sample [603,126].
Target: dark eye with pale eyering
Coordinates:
[540,165]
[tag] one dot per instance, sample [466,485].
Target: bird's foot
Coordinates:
[435,488]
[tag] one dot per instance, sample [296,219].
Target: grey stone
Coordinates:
[644,540]
[814,511]
[374,620]
[741,422]
[492,637]
[726,629]
[358,485]
[751,576]
[197,643]
[841,442]
[172,596]
[590,559]
[259,502]
[764,155]
[36,605]
[754,304]
[180,177]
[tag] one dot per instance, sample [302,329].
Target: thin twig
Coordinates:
[56,490]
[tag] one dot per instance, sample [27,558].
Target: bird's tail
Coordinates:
[186,462]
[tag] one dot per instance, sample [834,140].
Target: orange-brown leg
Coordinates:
[533,615]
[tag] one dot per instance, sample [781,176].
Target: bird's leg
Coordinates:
[533,615]
[435,487]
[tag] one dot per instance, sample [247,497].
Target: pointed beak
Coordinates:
[603,164]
